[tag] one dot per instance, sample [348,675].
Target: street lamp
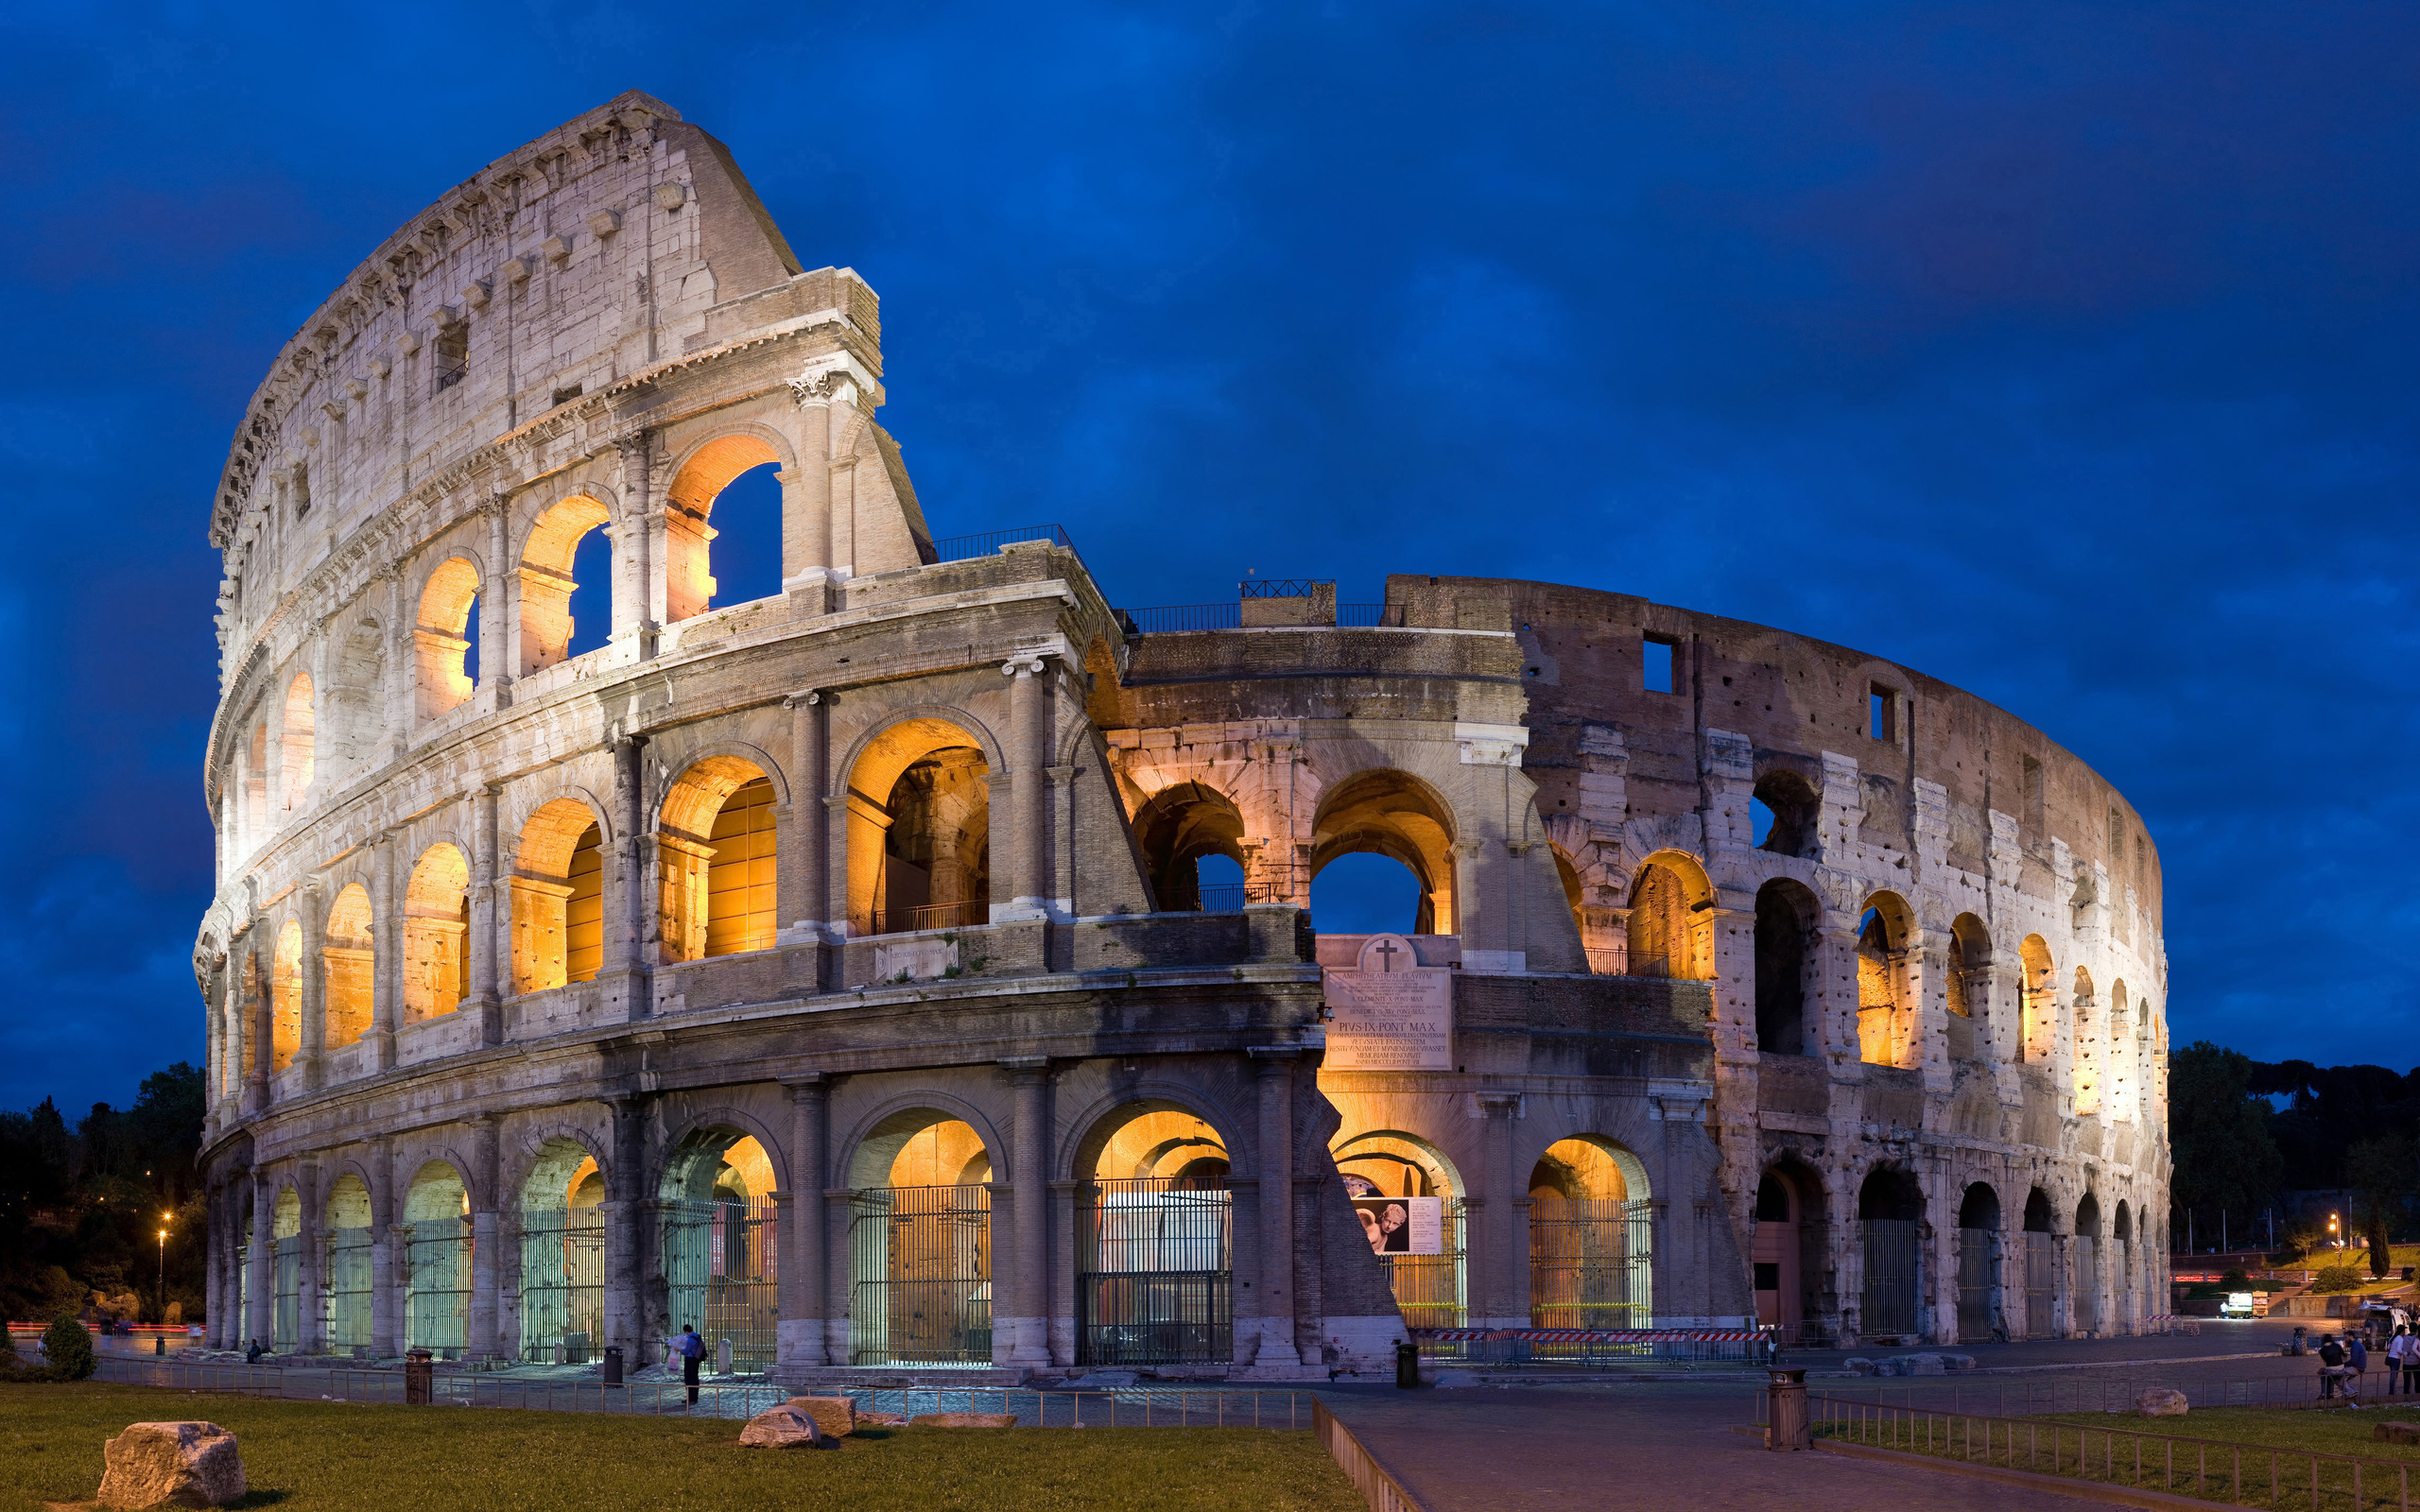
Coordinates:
[165,1218]
[2332,1235]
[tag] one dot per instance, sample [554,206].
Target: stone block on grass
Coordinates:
[2396,1432]
[2161,1401]
[174,1464]
[784,1427]
[836,1416]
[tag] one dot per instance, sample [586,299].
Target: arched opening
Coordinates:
[437,1261]
[558,897]
[2086,1039]
[1672,916]
[1787,825]
[1154,1241]
[1885,1017]
[351,957]
[346,1296]
[1969,984]
[1179,829]
[444,638]
[1393,814]
[566,561]
[722,1244]
[1979,1264]
[920,1243]
[563,1254]
[1891,1211]
[2040,993]
[2084,1256]
[1591,1239]
[1787,919]
[715,842]
[294,742]
[286,998]
[2041,1270]
[1787,1252]
[437,927]
[285,1273]
[737,557]
[919,831]
[1387,1175]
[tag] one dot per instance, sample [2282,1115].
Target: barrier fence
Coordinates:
[1594,1348]
[2284,1480]
[2027,1395]
[1141,1407]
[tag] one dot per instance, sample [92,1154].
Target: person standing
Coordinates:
[2397,1348]
[693,1350]
[2357,1359]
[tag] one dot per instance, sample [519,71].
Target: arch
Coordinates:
[1180,824]
[437,926]
[285,1271]
[548,559]
[294,742]
[1670,928]
[562,1251]
[1389,812]
[920,1241]
[920,826]
[722,1236]
[442,637]
[437,1260]
[2084,1259]
[1590,1237]
[716,845]
[1891,1211]
[1886,1017]
[1788,918]
[698,481]
[350,956]
[559,895]
[346,1235]
[1968,987]
[1979,1264]
[1787,1250]
[1796,808]
[1431,1291]
[2040,993]
[1155,1239]
[285,996]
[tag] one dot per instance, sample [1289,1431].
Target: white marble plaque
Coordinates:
[1389,1014]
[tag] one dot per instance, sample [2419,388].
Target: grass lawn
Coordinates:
[2333,1430]
[307,1456]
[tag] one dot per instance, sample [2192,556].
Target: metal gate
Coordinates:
[286,1311]
[243,1329]
[437,1286]
[721,1271]
[1154,1280]
[1975,1285]
[345,1298]
[2040,1287]
[1890,1277]
[1591,1264]
[919,1275]
[562,1283]
[2085,1250]
[1432,1290]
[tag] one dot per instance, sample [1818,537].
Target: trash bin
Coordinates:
[420,1378]
[1408,1366]
[1786,1424]
[159,1344]
[612,1364]
[2301,1344]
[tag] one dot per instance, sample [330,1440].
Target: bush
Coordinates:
[69,1349]
[2337,1278]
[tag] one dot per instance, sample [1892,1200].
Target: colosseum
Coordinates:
[911,967]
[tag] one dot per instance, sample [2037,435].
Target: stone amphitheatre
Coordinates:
[913,967]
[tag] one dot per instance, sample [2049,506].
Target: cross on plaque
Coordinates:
[1387,950]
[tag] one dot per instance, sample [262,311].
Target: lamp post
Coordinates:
[166,1218]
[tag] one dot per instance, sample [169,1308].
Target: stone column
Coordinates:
[401,667]
[383,1293]
[1273,1287]
[480,1339]
[309,1333]
[1028,790]
[261,1323]
[1503,1279]
[624,974]
[835,865]
[801,881]
[311,1045]
[213,1269]
[804,1286]
[498,657]
[806,491]
[386,947]
[260,1009]
[638,562]
[624,1219]
[485,999]
[1023,1337]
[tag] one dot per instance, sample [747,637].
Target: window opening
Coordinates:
[1882,713]
[1760,822]
[450,356]
[1657,660]
[1366,893]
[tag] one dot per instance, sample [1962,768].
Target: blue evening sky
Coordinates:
[2065,353]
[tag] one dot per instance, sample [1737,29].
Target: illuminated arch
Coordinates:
[1392,813]
[1671,931]
[1180,825]
[920,825]
[696,481]
[557,897]
[285,997]
[350,955]
[294,742]
[1887,1018]
[437,928]
[441,637]
[715,844]
[547,581]
[1591,1237]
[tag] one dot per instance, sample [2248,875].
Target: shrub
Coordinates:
[69,1347]
[2337,1278]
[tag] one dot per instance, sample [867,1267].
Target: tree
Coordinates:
[2219,1132]
[2381,1171]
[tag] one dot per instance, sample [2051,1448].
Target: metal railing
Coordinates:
[1138,1407]
[1374,1483]
[929,915]
[1283,587]
[1222,898]
[1370,616]
[988,542]
[2292,1480]
[2027,1395]
[1175,619]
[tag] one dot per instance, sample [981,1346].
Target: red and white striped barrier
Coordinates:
[1588,1335]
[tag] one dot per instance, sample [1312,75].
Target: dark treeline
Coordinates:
[82,1205]
[2353,1130]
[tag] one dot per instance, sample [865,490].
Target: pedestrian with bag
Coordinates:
[692,1350]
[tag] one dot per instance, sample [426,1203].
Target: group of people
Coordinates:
[2344,1363]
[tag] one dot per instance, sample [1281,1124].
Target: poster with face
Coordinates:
[1403,1225]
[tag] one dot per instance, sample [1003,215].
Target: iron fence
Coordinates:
[1975,1251]
[1172,618]
[920,1284]
[988,542]
[1370,616]
[1432,1290]
[285,1292]
[966,915]
[2041,1273]
[721,1272]
[1222,898]
[563,1281]
[1590,1262]
[1154,1283]
[1893,1247]
[437,1286]
[346,1297]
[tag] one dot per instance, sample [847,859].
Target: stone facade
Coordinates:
[836,965]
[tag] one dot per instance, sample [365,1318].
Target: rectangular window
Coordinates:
[1882,712]
[451,356]
[1658,655]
